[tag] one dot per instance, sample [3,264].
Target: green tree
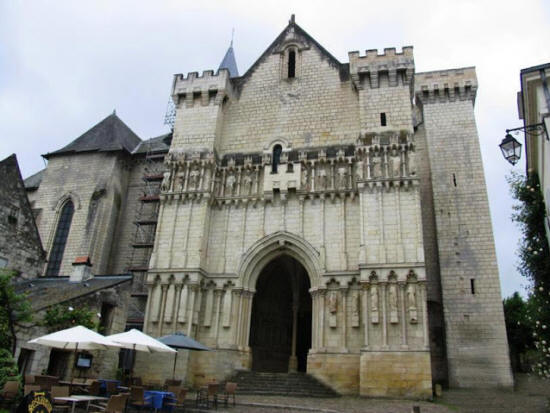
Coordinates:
[15,309]
[8,368]
[518,328]
[534,264]
[59,317]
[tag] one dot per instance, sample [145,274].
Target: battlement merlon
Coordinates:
[210,87]
[395,64]
[446,85]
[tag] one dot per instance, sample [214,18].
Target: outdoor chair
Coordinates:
[60,391]
[229,391]
[172,382]
[111,388]
[174,389]
[136,381]
[179,401]
[30,387]
[137,398]
[46,382]
[94,388]
[115,404]
[9,392]
[207,394]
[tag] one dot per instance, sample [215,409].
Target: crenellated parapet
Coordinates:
[207,89]
[368,70]
[446,85]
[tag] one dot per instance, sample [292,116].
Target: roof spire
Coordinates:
[292,19]
[229,61]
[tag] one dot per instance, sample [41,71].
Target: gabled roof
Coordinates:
[229,62]
[158,144]
[33,181]
[47,291]
[109,135]
[298,33]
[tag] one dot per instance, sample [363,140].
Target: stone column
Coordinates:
[404,344]
[218,296]
[344,295]
[192,288]
[321,313]
[424,315]
[249,318]
[163,287]
[366,320]
[384,316]
[293,360]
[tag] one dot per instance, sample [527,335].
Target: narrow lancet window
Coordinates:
[277,149]
[291,64]
[60,239]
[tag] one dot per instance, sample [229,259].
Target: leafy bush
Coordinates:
[59,317]
[8,367]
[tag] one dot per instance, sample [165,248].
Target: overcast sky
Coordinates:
[65,65]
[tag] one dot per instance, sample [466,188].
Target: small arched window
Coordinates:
[277,149]
[291,64]
[60,239]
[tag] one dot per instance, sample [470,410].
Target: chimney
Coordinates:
[82,270]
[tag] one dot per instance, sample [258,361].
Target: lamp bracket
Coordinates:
[536,129]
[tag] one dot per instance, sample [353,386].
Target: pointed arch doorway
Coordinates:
[280,327]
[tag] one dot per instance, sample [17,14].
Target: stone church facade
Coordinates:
[311,215]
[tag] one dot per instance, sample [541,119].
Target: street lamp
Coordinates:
[511,148]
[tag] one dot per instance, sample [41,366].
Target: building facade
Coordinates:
[533,109]
[309,215]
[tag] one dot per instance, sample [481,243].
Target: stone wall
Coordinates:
[20,244]
[477,348]
[95,182]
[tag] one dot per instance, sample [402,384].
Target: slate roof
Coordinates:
[45,292]
[33,181]
[111,134]
[158,144]
[229,62]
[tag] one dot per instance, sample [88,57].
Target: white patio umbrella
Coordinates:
[138,341]
[75,338]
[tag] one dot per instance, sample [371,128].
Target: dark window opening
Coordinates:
[290,168]
[383,119]
[277,149]
[107,311]
[472,285]
[60,239]
[291,64]
[454,179]
[24,360]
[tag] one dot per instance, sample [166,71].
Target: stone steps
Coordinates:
[281,384]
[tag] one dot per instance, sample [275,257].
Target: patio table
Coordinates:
[157,398]
[75,398]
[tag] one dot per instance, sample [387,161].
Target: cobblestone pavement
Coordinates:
[530,396]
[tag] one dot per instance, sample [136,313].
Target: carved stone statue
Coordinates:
[393,303]
[217,185]
[194,178]
[181,180]
[230,184]
[412,162]
[304,183]
[376,166]
[355,308]
[332,307]
[395,163]
[341,179]
[374,304]
[322,178]
[165,185]
[411,303]
[359,170]
[248,180]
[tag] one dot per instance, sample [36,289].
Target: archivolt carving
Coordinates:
[272,246]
